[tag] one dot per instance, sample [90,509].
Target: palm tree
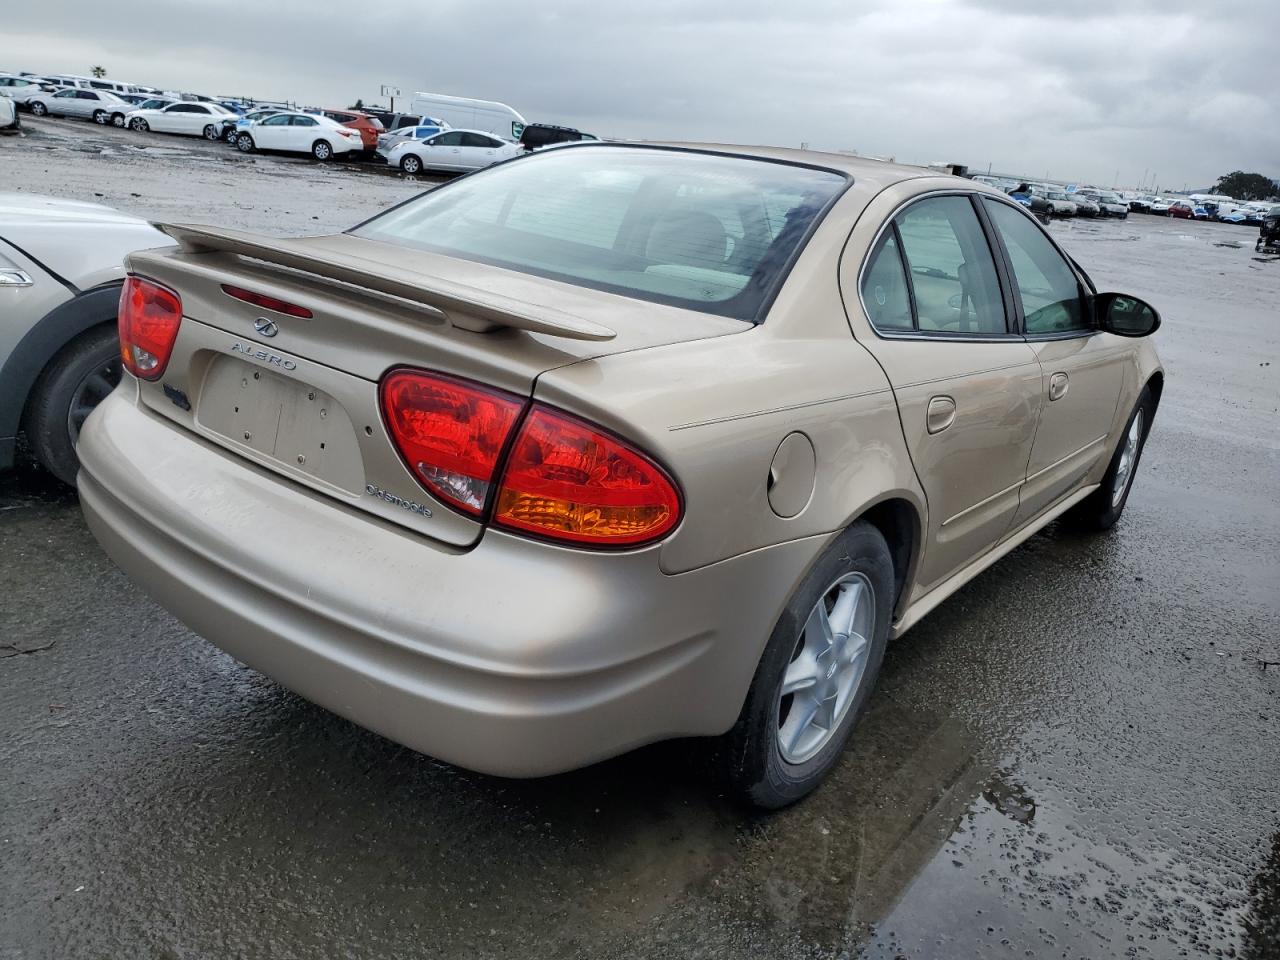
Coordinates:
[98,72]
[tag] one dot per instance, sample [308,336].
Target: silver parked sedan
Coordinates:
[61,269]
[95,105]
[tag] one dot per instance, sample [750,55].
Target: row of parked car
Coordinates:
[413,142]
[1052,200]
[1206,207]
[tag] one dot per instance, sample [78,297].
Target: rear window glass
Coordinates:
[711,233]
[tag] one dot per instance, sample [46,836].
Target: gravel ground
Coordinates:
[1075,756]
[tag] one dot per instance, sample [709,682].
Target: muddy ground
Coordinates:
[1076,756]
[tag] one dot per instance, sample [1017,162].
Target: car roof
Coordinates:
[883,172]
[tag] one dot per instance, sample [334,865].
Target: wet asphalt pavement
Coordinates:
[1076,756]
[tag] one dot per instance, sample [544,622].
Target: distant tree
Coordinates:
[98,72]
[1246,186]
[358,105]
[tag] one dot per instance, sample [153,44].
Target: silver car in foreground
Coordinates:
[61,268]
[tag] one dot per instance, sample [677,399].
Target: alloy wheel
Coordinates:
[1128,458]
[827,668]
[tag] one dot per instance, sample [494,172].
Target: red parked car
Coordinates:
[1182,209]
[368,126]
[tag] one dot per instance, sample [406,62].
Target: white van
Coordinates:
[464,113]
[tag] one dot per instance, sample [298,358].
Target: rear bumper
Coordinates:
[513,658]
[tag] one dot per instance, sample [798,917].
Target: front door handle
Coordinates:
[1058,386]
[941,414]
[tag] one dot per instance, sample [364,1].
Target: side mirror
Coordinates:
[1125,316]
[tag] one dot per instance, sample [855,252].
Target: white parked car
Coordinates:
[1161,205]
[21,89]
[296,132]
[119,118]
[454,151]
[393,138]
[93,105]
[192,119]
[8,113]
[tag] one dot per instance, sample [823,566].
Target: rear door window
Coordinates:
[952,273]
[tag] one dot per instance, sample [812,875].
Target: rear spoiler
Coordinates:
[463,306]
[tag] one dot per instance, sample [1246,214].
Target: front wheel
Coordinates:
[244,143]
[1102,508]
[117,120]
[411,164]
[816,674]
[140,125]
[76,381]
[39,109]
[100,117]
[321,150]
[211,132]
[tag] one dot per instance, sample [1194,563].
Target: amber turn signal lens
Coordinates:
[567,480]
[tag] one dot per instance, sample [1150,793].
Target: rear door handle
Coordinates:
[941,414]
[1058,386]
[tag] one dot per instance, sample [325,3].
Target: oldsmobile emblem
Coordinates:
[266,326]
[373,490]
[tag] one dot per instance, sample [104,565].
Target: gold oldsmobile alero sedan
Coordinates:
[611,444]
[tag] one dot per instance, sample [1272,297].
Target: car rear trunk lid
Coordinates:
[298,396]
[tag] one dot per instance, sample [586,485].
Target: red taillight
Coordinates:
[450,433]
[148,321]
[567,480]
[564,479]
[268,303]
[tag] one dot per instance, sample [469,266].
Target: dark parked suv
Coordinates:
[1269,232]
[537,135]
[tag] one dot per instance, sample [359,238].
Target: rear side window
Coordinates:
[712,233]
[1046,284]
[884,287]
[952,273]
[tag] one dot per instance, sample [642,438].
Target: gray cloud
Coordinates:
[1079,90]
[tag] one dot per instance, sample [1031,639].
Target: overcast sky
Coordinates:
[1080,89]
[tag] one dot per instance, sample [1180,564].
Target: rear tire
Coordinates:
[766,758]
[117,120]
[73,383]
[139,125]
[1101,509]
[39,109]
[244,143]
[100,117]
[321,150]
[411,165]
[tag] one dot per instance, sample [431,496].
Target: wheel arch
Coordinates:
[901,523]
[42,343]
[1155,385]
